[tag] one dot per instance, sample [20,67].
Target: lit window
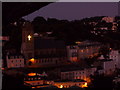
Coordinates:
[81,50]
[29,37]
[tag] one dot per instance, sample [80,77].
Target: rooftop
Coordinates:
[104,60]
[75,80]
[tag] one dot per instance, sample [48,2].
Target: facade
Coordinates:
[83,50]
[27,48]
[83,74]
[106,67]
[70,83]
[49,51]
[88,49]
[3,41]
[110,65]
[35,80]
[115,56]
[40,49]
[15,61]
[72,52]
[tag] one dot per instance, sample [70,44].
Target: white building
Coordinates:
[15,61]
[83,50]
[107,66]
[115,56]
[70,83]
[83,74]
[72,52]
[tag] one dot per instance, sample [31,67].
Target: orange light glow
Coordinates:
[74,59]
[78,42]
[87,79]
[61,86]
[84,85]
[33,87]
[32,60]
[31,74]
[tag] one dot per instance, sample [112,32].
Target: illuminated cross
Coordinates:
[29,37]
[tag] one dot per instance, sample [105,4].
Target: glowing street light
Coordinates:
[29,37]
[84,85]
[61,86]
[32,60]
[31,74]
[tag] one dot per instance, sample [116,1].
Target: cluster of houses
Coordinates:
[41,50]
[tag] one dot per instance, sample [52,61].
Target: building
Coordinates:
[105,66]
[36,80]
[72,53]
[40,49]
[3,41]
[78,73]
[83,50]
[15,61]
[70,83]
[27,47]
[49,51]
[115,56]
[88,49]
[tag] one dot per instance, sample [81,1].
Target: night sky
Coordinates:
[76,10]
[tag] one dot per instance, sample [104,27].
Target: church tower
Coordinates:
[27,47]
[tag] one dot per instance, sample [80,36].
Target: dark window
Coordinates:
[30,63]
[30,55]
[45,60]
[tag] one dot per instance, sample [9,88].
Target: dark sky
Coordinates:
[76,10]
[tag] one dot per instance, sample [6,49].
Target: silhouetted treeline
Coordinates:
[69,31]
